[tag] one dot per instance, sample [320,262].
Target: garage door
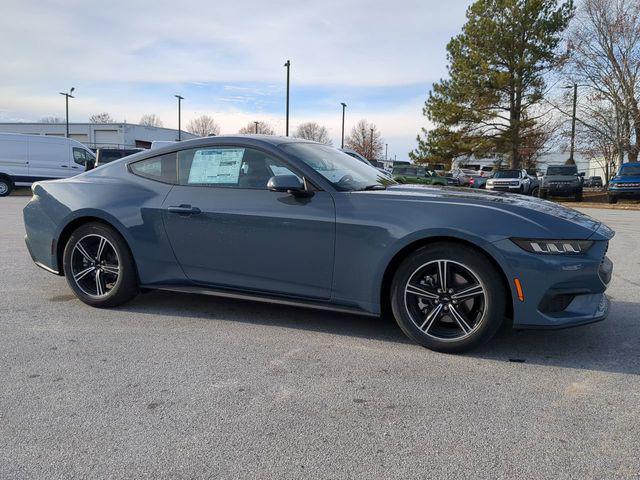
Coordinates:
[107,138]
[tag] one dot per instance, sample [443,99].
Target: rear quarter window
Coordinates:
[161,168]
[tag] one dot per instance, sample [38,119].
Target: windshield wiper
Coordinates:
[375,186]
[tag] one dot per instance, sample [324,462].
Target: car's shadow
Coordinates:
[610,346]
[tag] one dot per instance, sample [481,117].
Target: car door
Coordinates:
[228,230]
[49,158]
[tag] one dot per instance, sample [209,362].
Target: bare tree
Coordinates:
[101,118]
[604,58]
[150,120]
[51,119]
[257,127]
[365,138]
[203,126]
[313,131]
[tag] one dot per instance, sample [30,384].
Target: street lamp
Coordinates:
[286,131]
[179,128]
[571,160]
[67,96]
[256,126]
[344,105]
[371,144]
[386,150]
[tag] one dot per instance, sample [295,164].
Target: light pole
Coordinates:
[179,118]
[371,144]
[286,131]
[256,126]
[386,150]
[344,105]
[571,160]
[67,96]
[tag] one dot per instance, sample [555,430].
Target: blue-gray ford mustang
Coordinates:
[297,222]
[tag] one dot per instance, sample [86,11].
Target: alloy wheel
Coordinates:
[95,265]
[445,300]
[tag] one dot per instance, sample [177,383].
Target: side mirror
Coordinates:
[289,184]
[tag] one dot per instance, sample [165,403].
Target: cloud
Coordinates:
[227,58]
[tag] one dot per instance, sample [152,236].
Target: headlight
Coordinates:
[554,247]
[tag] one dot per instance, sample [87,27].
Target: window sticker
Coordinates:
[216,166]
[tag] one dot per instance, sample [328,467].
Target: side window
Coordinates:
[234,167]
[161,168]
[79,156]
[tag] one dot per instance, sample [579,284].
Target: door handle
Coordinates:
[184,210]
[64,166]
[75,168]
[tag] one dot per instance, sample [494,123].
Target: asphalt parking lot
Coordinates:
[182,386]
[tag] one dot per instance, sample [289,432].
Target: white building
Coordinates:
[95,135]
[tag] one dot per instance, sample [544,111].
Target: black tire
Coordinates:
[543,194]
[578,196]
[6,186]
[535,192]
[118,288]
[443,334]
[612,199]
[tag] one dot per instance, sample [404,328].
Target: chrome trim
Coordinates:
[44,267]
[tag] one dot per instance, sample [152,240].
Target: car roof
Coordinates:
[267,140]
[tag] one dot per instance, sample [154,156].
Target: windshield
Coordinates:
[562,170]
[630,171]
[343,171]
[357,156]
[507,174]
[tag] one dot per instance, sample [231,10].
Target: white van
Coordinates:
[25,159]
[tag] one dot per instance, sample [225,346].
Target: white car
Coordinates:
[25,159]
[462,176]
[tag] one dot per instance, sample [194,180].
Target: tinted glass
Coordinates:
[562,170]
[342,171]
[507,174]
[161,169]
[234,167]
[630,170]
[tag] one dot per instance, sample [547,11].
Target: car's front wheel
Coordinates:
[448,297]
[99,267]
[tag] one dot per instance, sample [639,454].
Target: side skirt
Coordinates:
[261,298]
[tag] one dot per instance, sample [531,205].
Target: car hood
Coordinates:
[626,178]
[551,219]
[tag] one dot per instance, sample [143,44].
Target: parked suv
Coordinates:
[626,183]
[562,181]
[593,182]
[108,155]
[416,174]
[515,181]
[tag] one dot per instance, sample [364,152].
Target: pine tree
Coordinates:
[496,80]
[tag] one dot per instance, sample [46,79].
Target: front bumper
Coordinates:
[559,291]
[624,192]
[560,190]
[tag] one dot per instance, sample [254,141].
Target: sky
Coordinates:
[226,58]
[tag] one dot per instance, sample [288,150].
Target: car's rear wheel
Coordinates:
[612,199]
[6,186]
[535,192]
[99,267]
[448,297]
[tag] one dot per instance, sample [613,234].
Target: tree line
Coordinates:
[365,137]
[504,96]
